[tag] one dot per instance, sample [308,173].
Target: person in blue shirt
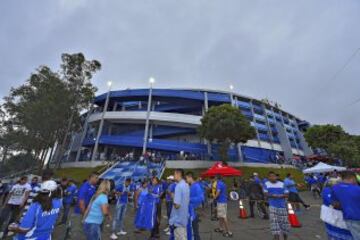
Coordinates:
[276,194]
[123,192]
[221,200]
[346,196]
[294,196]
[39,221]
[156,191]
[333,232]
[69,191]
[169,196]
[196,199]
[180,211]
[97,209]
[84,195]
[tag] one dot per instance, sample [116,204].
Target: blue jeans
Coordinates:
[354,228]
[92,231]
[66,211]
[118,221]
[169,205]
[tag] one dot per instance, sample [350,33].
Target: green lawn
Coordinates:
[248,171]
[78,174]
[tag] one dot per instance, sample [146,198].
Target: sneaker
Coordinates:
[168,233]
[121,233]
[166,229]
[113,236]
[307,207]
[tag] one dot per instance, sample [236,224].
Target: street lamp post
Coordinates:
[101,125]
[146,133]
[231,95]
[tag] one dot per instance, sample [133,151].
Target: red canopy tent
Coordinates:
[221,169]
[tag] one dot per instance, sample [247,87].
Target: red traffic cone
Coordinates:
[242,212]
[294,222]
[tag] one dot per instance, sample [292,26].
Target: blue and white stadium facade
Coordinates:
[116,126]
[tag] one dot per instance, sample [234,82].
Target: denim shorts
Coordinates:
[92,231]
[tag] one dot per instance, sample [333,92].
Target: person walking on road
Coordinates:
[221,200]
[294,196]
[180,211]
[97,209]
[15,202]
[196,199]
[123,192]
[276,194]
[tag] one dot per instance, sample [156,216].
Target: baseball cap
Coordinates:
[48,186]
[171,177]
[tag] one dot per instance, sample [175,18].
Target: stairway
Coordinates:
[120,171]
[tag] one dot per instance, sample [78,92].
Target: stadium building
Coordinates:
[164,122]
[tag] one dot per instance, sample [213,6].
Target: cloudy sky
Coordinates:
[287,51]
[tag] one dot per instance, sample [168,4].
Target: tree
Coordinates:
[77,73]
[224,125]
[336,142]
[37,112]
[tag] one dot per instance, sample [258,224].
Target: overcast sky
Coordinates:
[287,51]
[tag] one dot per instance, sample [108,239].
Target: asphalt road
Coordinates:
[244,229]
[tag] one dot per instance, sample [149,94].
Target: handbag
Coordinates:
[332,216]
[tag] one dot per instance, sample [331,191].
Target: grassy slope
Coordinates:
[262,171]
[78,174]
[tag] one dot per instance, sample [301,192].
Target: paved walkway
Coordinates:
[244,229]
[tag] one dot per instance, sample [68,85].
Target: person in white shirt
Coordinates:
[16,200]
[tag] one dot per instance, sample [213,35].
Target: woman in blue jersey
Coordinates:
[39,221]
[97,209]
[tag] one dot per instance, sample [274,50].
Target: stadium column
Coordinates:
[206,107]
[293,133]
[84,131]
[253,113]
[270,133]
[284,139]
[146,133]
[101,125]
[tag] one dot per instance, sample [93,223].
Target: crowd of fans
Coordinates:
[31,209]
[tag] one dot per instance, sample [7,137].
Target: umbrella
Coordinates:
[221,169]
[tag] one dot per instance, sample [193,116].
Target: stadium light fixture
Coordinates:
[151,80]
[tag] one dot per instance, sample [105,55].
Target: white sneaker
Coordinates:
[113,236]
[166,229]
[168,233]
[121,233]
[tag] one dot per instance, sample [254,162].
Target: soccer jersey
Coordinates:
[349,197]
[39,223]
[170,190]
[69,194]
[124,194]
[18,192]
[290,185]
[221,187]
[85,193]
[276,188]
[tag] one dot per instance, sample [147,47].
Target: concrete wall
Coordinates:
[206,164]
